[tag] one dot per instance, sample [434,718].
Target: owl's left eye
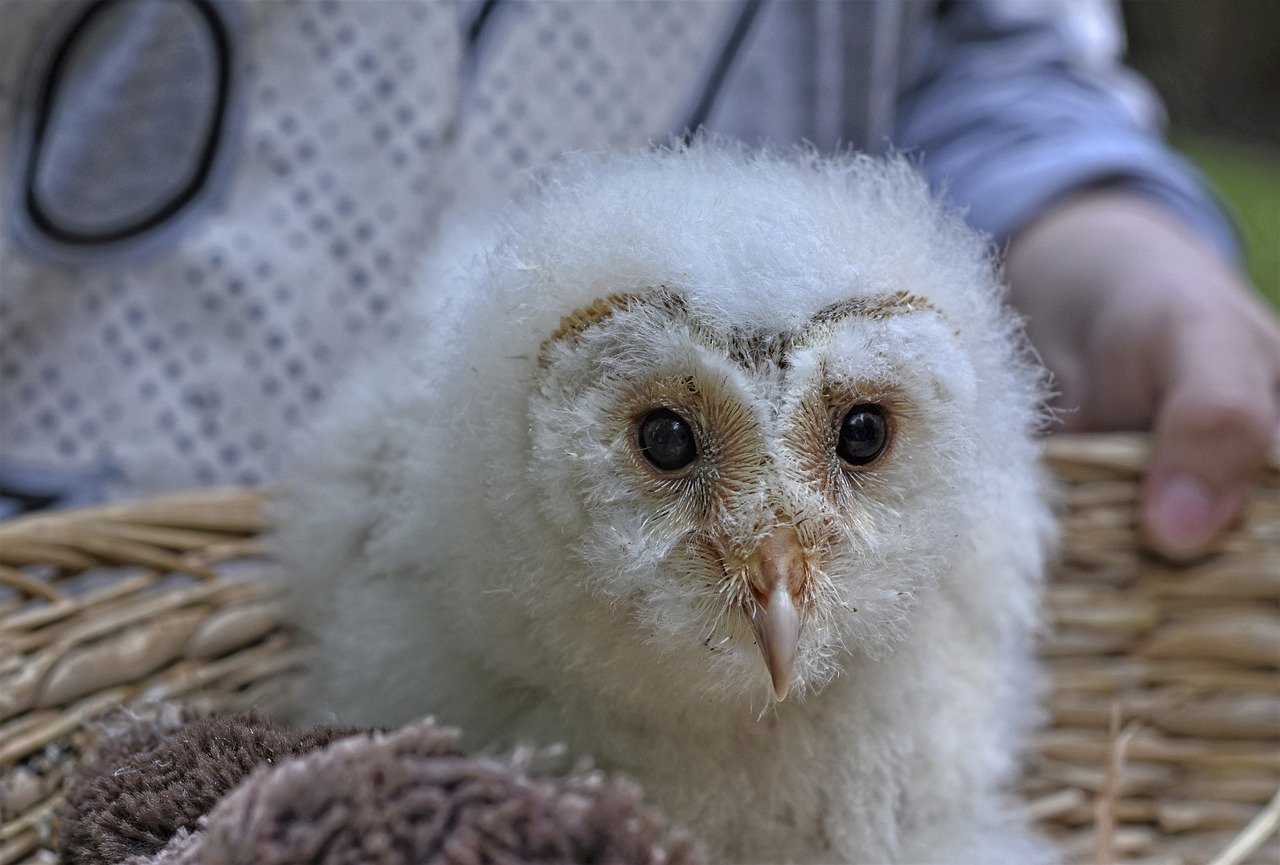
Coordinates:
[864,432]
[666,440]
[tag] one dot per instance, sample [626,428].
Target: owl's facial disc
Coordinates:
[775,571]
[714,479]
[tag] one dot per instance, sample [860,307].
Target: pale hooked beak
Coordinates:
[776,570]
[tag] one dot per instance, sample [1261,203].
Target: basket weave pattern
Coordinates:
[1163,744]
[103,607]
[1164,736]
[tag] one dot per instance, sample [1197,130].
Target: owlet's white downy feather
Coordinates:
[721,469]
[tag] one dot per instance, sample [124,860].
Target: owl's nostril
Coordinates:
[778,558]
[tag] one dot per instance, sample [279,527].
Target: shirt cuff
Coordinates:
[1000,202]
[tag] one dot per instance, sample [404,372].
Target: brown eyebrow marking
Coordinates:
[605,307]
[746,349]
[878,307]
[593,313]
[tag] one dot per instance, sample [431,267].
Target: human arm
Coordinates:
[1118,258]
[1147,327]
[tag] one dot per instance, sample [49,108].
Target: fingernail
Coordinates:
[1181,517]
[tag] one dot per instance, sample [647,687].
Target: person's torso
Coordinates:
[213,208]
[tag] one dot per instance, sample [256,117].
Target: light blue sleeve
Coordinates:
[1014,104]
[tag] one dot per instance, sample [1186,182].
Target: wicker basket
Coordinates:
[1163,747]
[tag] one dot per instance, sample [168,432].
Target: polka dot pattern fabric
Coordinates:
[194,356]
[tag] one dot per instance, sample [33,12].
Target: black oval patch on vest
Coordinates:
[128,122]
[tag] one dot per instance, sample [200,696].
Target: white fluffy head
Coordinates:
[495,467]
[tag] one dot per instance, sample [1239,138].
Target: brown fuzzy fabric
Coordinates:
[401,798]
[157,776]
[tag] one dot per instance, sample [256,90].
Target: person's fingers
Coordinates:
[1215,425]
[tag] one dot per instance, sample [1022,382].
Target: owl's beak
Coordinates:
[776,570]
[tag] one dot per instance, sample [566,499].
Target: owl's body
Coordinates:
[675,405]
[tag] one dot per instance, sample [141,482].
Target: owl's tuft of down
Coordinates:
[720,467]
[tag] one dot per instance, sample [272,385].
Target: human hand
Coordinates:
[1146,327]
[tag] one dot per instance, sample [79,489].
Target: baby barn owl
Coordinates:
[716,467]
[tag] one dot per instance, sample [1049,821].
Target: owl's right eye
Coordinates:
[666,440]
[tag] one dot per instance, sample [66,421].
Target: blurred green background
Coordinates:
[1216,64]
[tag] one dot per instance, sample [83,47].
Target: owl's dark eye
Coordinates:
[863,434]
[666,440]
